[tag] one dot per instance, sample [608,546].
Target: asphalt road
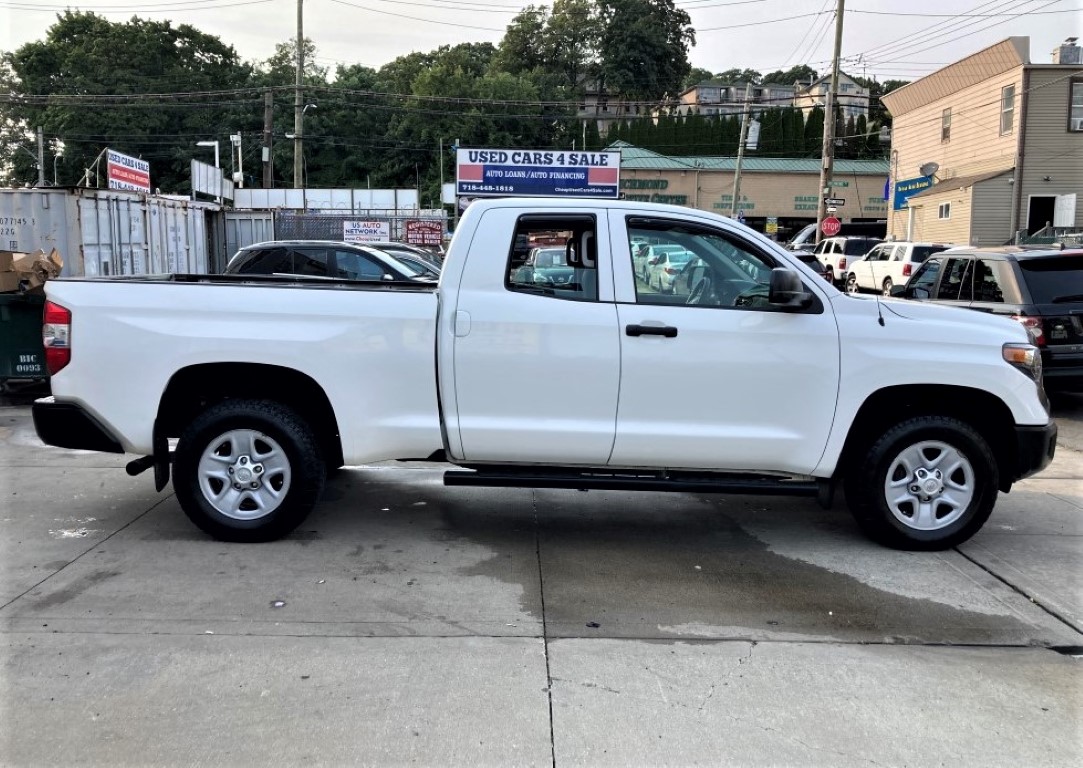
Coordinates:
[409,623]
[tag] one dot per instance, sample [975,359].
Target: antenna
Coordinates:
[872,271]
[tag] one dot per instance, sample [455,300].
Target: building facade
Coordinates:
[717,98]
[779,196]
[988,149]
[852,99]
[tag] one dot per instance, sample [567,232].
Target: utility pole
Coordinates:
[736,206]
[298,114]
[828,162]
[41,157]
[268,129]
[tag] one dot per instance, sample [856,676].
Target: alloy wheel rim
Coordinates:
[929,485]
[244,474]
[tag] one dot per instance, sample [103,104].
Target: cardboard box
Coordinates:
[28,272]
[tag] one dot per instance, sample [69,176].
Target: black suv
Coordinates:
[1042,288]
[323,258]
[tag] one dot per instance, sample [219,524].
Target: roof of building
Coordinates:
[634,158]
[996,59]
[959,182]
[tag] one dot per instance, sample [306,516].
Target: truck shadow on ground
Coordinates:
[668,566]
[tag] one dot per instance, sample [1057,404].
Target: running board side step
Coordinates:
[687,482]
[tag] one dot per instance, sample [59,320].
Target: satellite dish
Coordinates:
[929,169]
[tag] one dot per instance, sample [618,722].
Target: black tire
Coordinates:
[866,494]
[297,451]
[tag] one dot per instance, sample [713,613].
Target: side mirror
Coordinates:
[899,291]
[786,290]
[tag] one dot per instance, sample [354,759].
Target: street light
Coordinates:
[214,144]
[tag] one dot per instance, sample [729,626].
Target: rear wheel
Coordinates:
[887,286]
[929,483]
[248,470]
[851,283]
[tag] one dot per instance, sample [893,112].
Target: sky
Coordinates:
[886,39]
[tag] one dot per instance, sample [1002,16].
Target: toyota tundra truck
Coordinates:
[749,375]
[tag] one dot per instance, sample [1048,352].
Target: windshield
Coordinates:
[407,267]
[1053,278]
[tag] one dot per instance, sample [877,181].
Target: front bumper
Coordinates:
[67,425]
[1034,449]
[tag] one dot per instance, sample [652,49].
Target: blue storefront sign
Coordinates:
[906,188]
[532,173]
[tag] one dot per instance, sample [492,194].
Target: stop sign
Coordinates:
[830,226]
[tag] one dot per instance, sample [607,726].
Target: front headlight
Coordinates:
[1025,357]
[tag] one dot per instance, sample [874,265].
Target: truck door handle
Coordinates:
[651,330]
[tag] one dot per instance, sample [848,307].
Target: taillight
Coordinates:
[672,271]
[1034,329]
[906,269]
[842,262]
[56,335]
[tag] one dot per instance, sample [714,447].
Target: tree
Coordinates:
[739,76]
[79,59]
[695,76]
[814,132]
[643,48]
[524,47]
[800,73]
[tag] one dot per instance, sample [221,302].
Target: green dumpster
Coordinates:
[22,355]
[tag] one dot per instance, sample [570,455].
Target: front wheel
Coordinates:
[248,470]
[928,483]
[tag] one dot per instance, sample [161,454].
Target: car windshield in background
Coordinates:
[1054,279]
[922,252]
[550,257]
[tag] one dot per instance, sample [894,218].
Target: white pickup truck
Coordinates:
[751,375]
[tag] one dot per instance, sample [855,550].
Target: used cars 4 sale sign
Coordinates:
[536,173]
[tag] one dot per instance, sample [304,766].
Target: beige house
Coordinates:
[988,147]
[853,98]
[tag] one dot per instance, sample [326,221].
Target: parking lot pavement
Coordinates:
[407,622]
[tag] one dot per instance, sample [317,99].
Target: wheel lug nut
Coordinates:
[244,459]
[230,470]
[258,469]
[255,485]
[237,486]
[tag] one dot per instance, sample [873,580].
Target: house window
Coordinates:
[944,211]
[945,125]
[1075,112]
[1007,109]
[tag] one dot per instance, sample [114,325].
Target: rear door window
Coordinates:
[358,266]
[956,283]
[1054,279]
[310,261]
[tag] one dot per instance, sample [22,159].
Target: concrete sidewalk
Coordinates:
[408,623]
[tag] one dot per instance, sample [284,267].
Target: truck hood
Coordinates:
[954,322]
[956,316]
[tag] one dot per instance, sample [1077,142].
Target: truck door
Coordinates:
[711,375]
[536,353]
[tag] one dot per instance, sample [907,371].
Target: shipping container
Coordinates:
[109,232]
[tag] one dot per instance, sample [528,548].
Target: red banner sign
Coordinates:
[419,232]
